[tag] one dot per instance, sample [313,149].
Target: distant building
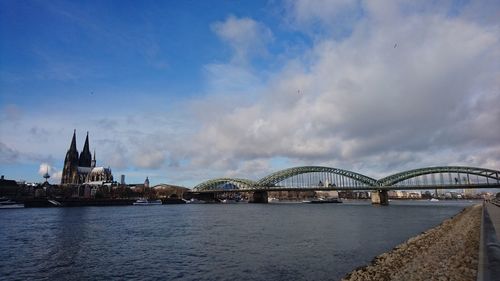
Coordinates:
[146,183]
[82,169]
[469,192]
[414,195]
[392,194]
[169,190]
[327,194]
[8,187]
[122,179]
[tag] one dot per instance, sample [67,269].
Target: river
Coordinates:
[207,241]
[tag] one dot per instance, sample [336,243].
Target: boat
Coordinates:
[434,200]
[195,201]
[323,201]
[146,202]
[9,204]
[55,203]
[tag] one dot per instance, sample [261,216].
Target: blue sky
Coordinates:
[183,91]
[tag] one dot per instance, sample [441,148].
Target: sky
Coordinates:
[186,91]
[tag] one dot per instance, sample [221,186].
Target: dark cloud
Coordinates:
[8,155]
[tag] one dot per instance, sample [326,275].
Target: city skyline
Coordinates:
[185,92]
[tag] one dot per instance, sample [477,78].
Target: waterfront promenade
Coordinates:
[489,247]
[494,212]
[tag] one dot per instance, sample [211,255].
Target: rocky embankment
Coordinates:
[446,252]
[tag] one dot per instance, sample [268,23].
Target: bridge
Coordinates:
[318,178]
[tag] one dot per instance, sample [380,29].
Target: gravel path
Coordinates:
[446,252]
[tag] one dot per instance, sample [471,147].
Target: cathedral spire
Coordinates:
[72,147]
[86,145]
[70,163]
[85,157]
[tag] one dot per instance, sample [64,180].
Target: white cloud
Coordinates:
[245,36]
[44,168]
[149,158]
[386,89]
[327,11]
[55,175]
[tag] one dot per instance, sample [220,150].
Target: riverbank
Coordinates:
[82,202]
[446,252]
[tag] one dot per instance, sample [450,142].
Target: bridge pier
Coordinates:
[258,197]
[380,197]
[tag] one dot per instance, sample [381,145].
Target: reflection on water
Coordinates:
[208,242]
[70,234]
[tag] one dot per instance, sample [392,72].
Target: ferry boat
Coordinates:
[9,204]
[146,202]
[323,201]
[195,201]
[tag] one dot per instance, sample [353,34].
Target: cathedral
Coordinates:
[82,169]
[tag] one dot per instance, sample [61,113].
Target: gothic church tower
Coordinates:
[70,170]
[85,157]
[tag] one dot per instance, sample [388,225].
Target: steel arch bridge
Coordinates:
[225,184]
[274,178]
[449,177]
[397,178]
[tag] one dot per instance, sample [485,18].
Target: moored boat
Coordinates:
[146,202]
[323,201]
[9,204]
[195,201]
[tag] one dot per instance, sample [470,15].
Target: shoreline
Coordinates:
[448,251]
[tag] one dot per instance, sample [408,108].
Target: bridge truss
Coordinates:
[442,176]
[225,184]
[310,176]
[326,178]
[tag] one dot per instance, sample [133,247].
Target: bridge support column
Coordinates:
[380,197]
[258,197]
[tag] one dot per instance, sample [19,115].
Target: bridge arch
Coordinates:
[225,183]
[407,175]
[274,178]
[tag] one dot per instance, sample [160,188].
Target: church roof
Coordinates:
[84,170]
[95,183]
[95,170]
[101,170]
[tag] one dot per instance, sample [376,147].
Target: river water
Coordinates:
[207,241]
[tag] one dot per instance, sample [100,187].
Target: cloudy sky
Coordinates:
[184,91]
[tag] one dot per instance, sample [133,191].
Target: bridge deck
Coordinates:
[360,188]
